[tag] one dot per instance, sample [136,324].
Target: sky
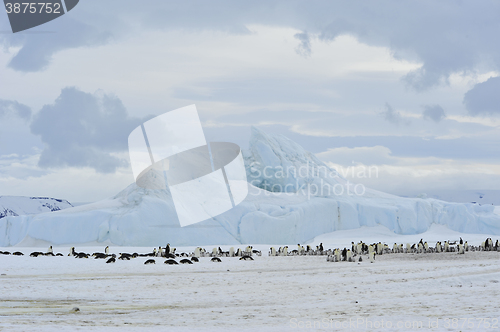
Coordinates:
[409,87]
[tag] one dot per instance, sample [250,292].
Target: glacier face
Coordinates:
[20,205]
[292,198]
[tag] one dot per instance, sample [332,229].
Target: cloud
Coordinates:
[434,113]
[37,49]
[446,37]
[393,116]
[304,48]
[376,155]
[84,130]
[484,98]
[13,108]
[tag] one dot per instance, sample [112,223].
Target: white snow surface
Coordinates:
[295,212]
[20,205]
[267,294]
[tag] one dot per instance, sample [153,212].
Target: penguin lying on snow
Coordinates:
[186,261]
[18,253]
[171,262]
[195,259]
[150,261]
[246,258]
[111,260]
[216,260]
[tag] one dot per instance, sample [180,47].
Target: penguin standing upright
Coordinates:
[349,256]
[106,250]
[461,241]
[371,255]
[197,252]
[231,252]
[438,246]
[50,251]
[466,246]
[159,253]
[167,249]
[336,254]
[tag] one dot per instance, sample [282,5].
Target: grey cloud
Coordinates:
[484,98]
[446,37]
[393,116]
[434,113]
[37,49]
[12,107]
[304,48]
[83,130]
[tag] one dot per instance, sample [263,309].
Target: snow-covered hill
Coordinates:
[293,197]
[20,205]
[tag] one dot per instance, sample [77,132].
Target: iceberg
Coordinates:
[293,197]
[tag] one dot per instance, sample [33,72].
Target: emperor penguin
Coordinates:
[446,246]
[50,251]
[353,247]
[461,249]
[483,245]
[359,248]
[466,246]
[231,252]
[72,251]
[420,248]
[344,254]
[401,248]
[438,246]
[159,253]
[371,255]
[214,252]
[167,249]
[106,250]
[408,247]
[285,251]
[308,248]
[197,252]
[155,252]
[272,252]
[349,255]
[461,241]
[426,247]
[336,253]
[395,248]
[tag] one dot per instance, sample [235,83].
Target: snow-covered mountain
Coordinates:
[20,205]
[293,197]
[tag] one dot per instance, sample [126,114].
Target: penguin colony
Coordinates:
[352,254]
[356,251]
[160,252]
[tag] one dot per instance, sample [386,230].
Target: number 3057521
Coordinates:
[33,8]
